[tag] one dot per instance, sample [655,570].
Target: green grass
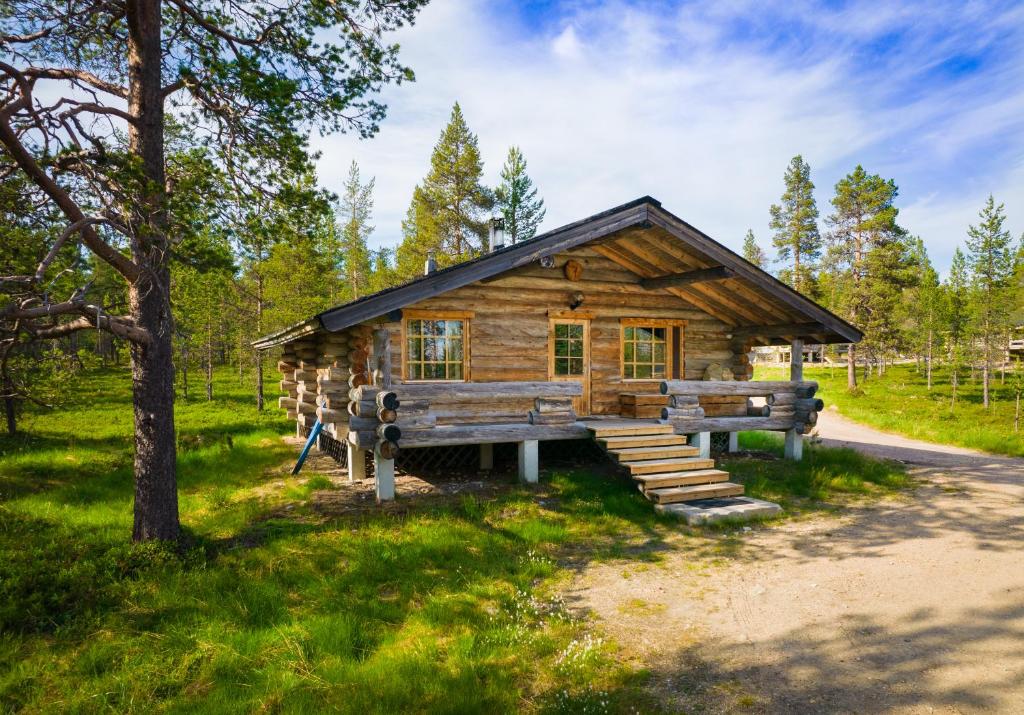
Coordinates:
[274,606]
[899,401]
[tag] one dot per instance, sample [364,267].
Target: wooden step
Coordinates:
[635,454]
[672,495]
[655,440]
[664,466]
[648,482]
[621,429]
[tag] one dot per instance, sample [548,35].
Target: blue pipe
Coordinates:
[313,434]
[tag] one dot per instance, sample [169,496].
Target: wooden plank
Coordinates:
[485,390]
[611,443]
[661,466]
[692,493]
[620,429]
[675,280]
[732,424]
[634,454]
[681,479]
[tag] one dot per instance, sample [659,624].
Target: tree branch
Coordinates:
[77,75]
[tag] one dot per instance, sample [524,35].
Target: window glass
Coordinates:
[435,349]
[644,352]
[568,347]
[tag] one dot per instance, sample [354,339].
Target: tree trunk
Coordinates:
[929,366]
[184,375]
[209,363]
[9,406]
[256,353]
[851,368]
[985,376]
[156,494]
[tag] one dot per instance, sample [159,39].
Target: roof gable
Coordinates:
[754,292]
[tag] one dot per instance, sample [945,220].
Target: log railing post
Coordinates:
[486,457]
[383,476]
[356,459]
[702,441]
[796,361]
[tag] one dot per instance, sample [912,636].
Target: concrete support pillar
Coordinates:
[794,445]
[384,477]
[734,442]
[356,459]
[529,468]
[702,441]
[486,457]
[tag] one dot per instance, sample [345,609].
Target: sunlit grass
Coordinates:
[900,401]
[273,606]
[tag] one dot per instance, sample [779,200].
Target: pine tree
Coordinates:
[925,308]
[753,252]
[956,291]
[863,221]
[448,213]
[795,222]
[991,258]
[517,199]
[354,210]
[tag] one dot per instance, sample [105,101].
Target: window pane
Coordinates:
[561,330]
[561,348]
[455,349]
[643,371]
[630,334]
[659,352]
[576,348]
[643,352]
[415,371]
[575,331]
[575,366]
[659,333]
[658,371]
[643,334]
[453,327]
[627,352]
[415,349]
[455,371]
[561,366]
[628,371]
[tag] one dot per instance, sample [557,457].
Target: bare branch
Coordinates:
[68,73]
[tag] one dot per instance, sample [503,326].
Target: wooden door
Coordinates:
[569,356]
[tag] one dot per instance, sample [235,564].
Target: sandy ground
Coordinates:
[909,605]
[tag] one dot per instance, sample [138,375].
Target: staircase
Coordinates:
[666,469]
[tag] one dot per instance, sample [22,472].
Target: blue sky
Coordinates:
[702,105]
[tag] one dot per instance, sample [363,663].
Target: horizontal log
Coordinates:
[676,280]
[386,449]
[413,408]
[635,399]
[291,414]
[363,392]
[358,379]
[492,434]
[304,408]
[406,423]
[389,432]
[386,415]
[544,405]
[287,366]
[672,413]
[286,403]
[288,385]
[487,390]
[734,387]
[731,424]
[387,399]
[683,401]
[809,404]
[304,375]
[758,411]
[780,399]
[364,439]
[551,418]
[328,416]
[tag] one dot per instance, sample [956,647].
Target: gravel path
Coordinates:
[907,605]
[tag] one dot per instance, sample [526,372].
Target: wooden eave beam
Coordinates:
[779,330]
[676,280]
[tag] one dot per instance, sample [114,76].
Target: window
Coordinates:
[648,349]
[435,346]
[569,342]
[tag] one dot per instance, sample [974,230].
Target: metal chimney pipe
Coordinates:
[497,233]
[430,265]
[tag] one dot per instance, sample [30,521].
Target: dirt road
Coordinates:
[908,605]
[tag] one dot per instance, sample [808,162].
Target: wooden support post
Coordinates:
[356,459]
[734,442]
[384,477]
[486,457]
[796,361]
[794,445]
[529,472]
[702,441]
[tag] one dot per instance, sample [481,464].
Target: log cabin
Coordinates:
[630,327]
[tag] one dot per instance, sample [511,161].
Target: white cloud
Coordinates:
[613,102]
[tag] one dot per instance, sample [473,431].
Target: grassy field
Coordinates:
[899,401]
[276,606]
